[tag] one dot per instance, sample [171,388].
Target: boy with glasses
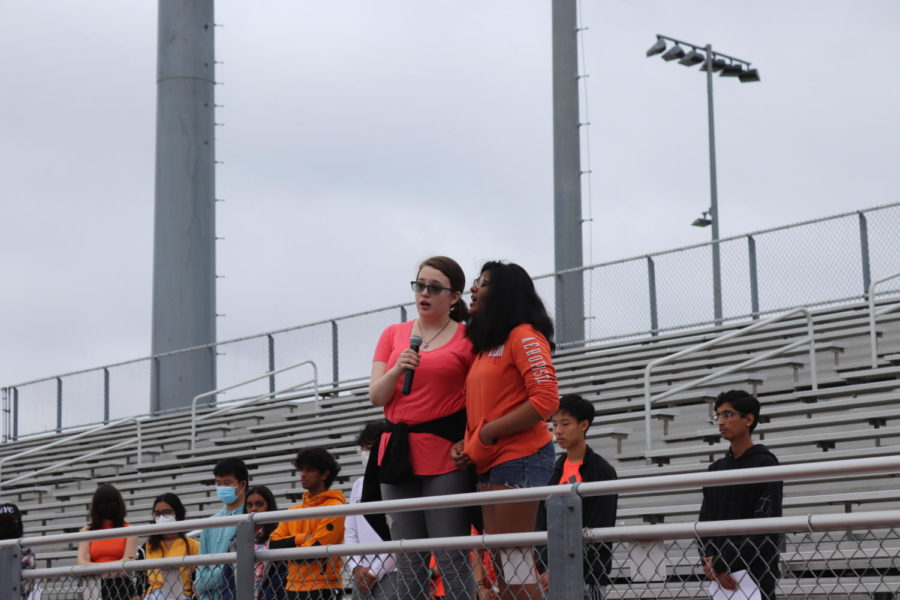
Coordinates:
[736,415]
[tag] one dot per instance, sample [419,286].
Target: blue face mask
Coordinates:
[227,494]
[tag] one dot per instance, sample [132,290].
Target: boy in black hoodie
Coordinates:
[737,414]
[580,463]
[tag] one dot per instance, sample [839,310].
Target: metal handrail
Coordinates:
[808,339]
[230,407]
[873,337]
[654,483]
[656,532]
[42,447]
[70,461]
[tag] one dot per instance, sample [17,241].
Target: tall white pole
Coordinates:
[184,282]
[713,192]
[567,173]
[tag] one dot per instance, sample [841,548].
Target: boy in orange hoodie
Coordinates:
[317,579]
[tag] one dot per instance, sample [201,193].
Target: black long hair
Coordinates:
[174,501]
[269,497]
[106,504]
[509,300]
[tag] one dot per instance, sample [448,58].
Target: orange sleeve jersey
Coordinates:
[501,379]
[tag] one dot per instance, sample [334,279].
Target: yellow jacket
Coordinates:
[305,575]
[179,547]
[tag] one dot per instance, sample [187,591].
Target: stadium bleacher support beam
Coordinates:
[567,175]
[184,278]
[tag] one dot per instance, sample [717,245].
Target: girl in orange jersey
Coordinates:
[511,391]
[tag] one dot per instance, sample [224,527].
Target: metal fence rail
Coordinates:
[821,262]
[817,555]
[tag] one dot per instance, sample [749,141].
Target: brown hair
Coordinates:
[449,267]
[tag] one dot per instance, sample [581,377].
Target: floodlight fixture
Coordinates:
[717,65]
[726,66]
[703,221]
[732,70]
[674,52]
[657,48]
[749,76]
[694,57]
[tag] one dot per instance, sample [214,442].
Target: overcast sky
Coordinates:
[360,137]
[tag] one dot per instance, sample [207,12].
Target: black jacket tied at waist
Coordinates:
[395,466]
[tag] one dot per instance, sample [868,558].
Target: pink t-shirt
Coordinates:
[437,391]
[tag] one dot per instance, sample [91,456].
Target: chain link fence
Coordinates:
[816,263]
[857,562]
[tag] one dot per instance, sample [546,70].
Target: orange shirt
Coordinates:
[437,391]
[571,472]
[501,379]
[108,550]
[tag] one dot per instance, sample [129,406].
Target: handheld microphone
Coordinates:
[414,342]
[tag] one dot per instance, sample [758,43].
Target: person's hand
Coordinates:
[724,579]
[408,359]
[364,579]
[459,458]
[544,580]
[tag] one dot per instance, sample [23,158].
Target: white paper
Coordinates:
[746,590]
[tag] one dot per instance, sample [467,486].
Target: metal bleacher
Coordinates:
[853,413]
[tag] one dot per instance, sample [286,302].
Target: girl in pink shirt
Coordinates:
[413,457]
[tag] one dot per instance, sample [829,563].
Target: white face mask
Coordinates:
[161,519]
[364,455]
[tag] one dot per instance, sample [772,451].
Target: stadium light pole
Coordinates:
[728,66]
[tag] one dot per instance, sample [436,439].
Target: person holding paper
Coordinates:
[727,559]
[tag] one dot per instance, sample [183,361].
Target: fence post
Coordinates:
[334,352]
[244,539]
[565,546]
[651,280]
[864,253]
[402,314]
[15,423]
[271,363]
[10,572]
[7,414]
[105,395]
[59,405]
[754,282]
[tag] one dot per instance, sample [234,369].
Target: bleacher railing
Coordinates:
[137,439]
[808,340]
[873,316]
[827,551]
[820,262]
[269,376]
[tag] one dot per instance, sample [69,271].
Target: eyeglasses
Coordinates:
[725,415]
[433,289]
[481,281]
[162,513]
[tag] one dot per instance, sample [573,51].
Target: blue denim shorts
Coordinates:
[529,471]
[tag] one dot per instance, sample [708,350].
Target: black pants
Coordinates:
[117,588]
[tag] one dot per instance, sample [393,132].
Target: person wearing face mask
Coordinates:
[108,512]
[374,576]
[169,584]
[232,481]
